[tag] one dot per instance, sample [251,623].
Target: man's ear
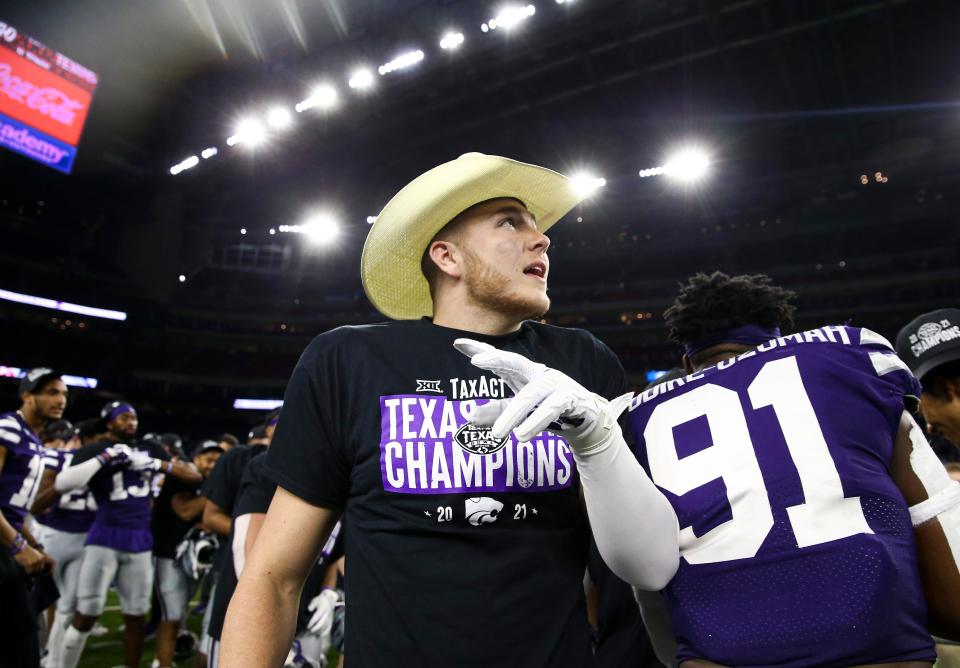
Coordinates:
[447,257]
[687,364]
[953,388]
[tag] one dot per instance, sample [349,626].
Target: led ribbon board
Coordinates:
[44,100]
[72,381]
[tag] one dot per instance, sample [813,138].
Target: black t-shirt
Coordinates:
[168,529]
[622,639]
[223,485]
[254,494]
[462,550]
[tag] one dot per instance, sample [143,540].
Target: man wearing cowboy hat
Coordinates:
[466,548]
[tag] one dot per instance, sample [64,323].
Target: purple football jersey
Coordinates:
[124,501]
[796,545]
[22,469]
[74,511]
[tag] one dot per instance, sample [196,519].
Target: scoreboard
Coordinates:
[44,100]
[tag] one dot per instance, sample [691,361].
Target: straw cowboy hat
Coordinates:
[390,264]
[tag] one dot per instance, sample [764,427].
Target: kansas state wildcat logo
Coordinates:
[482,510]
[478,440]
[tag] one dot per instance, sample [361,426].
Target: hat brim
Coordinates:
[390,264]
[932,363]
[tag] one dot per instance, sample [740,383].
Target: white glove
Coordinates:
[544,399]
[634,525]
[115,454]
[322,606]
[141,461]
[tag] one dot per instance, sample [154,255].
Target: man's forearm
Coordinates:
[48,493]
[187,507]
[215,520]
[183,471]
[260,622]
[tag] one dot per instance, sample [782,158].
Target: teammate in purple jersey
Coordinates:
[783,459]
[120,541]
[65,520]
[44,398]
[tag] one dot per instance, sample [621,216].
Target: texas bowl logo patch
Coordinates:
[478,440]
[928,330]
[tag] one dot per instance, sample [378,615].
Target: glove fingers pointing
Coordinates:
[549,410]
[469,347]
[487,414]
[519,407]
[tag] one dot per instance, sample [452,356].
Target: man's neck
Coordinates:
[472,317]
[34,421]
[719,353]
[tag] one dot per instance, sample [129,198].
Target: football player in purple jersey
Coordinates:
[119,471]
[44,398]
[816,525]
[65,520]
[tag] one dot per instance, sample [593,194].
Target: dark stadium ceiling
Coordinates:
[792,97]
[795,99]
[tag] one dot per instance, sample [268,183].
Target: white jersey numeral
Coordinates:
[76,500]
[24,497]
[824,516]
[120,492]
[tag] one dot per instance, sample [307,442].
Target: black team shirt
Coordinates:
[168,528]
[254,496]
[223,485]
[462,550]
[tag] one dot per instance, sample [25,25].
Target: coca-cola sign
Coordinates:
[44,92]
[48,101]
[42,99]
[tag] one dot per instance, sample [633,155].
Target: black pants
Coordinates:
[19,637]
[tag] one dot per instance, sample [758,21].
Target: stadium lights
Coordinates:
[279,118]
[182,278]
[72,381]
[56,305]
[451,41]
[403,61]
[323,97]
[687,165]
[585,184]
[250,131]
[361,79]
[257,404]
[319,229]
[509,17]
[371,220]
[208,153]
[187,163]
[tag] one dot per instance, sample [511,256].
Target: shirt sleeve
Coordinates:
[256,490]
[888,367]
[307,455]
[216,487]
[610,379]
[87,452]
[157,452]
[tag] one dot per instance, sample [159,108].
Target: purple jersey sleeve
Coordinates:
[796,546]
[22,469]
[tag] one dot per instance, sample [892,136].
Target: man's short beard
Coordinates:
[487,286]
